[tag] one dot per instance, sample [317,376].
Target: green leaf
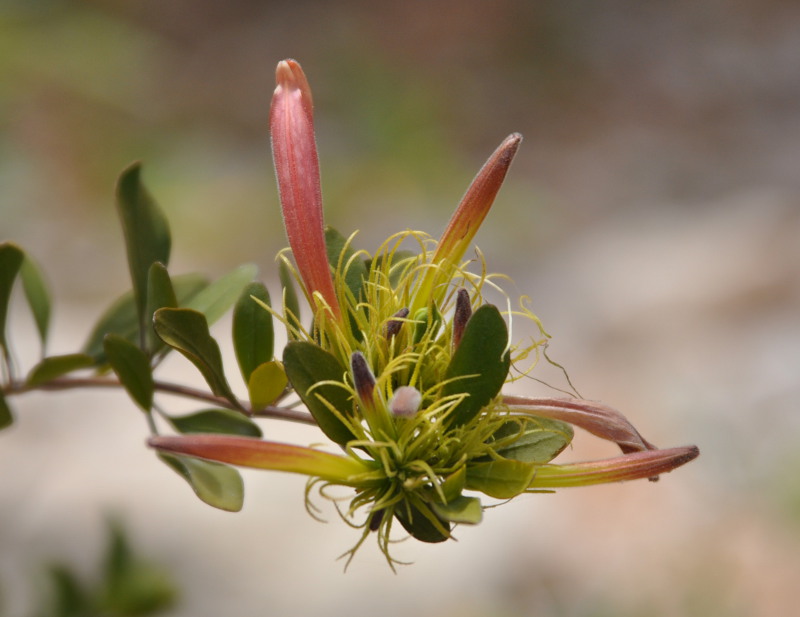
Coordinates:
[121,318]
[267,383]
[132,586]
[68,597]
[37,296]
[6,417]
[11,258]
[218,485]
[531,440]
[480,363]
[146,233]
[502,479]
[306,366]
[340,253]
[462,509]
[187,331]
[253,336]
[454,484]
[132,366]
[223,421]
[160,294]
[56,366]
[291,306]
[219,296]
[419,525]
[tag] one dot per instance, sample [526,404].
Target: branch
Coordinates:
[69,383]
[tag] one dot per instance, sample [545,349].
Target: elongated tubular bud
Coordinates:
[634,466]
[462,314]
[466,220]
[294,151]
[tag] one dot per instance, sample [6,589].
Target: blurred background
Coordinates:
[652,214]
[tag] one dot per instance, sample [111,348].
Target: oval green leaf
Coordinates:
[215,299]
[253,336]
[216,484]
[37,295]
[306,366]
[532,440]
[56,366]
[6,417]
[146,232]
[502,479]
[187,331]
[132,367]
[480,364]
[217,421]
[466,510]
[267,383]
[160,294]
[11,258]
[421,526]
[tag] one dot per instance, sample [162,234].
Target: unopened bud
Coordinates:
[461,317]
[405,402]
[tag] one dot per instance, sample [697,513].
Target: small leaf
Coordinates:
[253,337]
[420,526]
[481,363]
[146,233]
[291,306]
[187,331]
[502,479]
[132,366]
[216,484]
[11,258]
[37,296]
[306,366]
[160,294]
[6,417]
[454,484]
[462,509]
[532,440]
[223,421]
[219,296]
[120,318]
[267,383]
[56,366]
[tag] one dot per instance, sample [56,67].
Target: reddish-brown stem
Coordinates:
[70,383]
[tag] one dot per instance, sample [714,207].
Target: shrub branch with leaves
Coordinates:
[401,367]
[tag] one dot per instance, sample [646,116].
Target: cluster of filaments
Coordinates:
[396,365]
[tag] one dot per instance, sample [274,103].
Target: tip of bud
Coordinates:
[405,402]
[289,74]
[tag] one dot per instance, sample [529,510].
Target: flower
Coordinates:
[404,364]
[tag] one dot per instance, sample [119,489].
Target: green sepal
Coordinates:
[421,526]
[462,509]
[426,322]
[6,417]
[532,440]
[11,258]
[267,382]
[253,335]
[215,299]
[160,294]
[187,331]
[291,305]
[132,367]
[479,366]
[225,421]
[502,479]
[216,484]
[146,231]
[339,254]
[56,366]
[307,365]
[120,318]
[37,295]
